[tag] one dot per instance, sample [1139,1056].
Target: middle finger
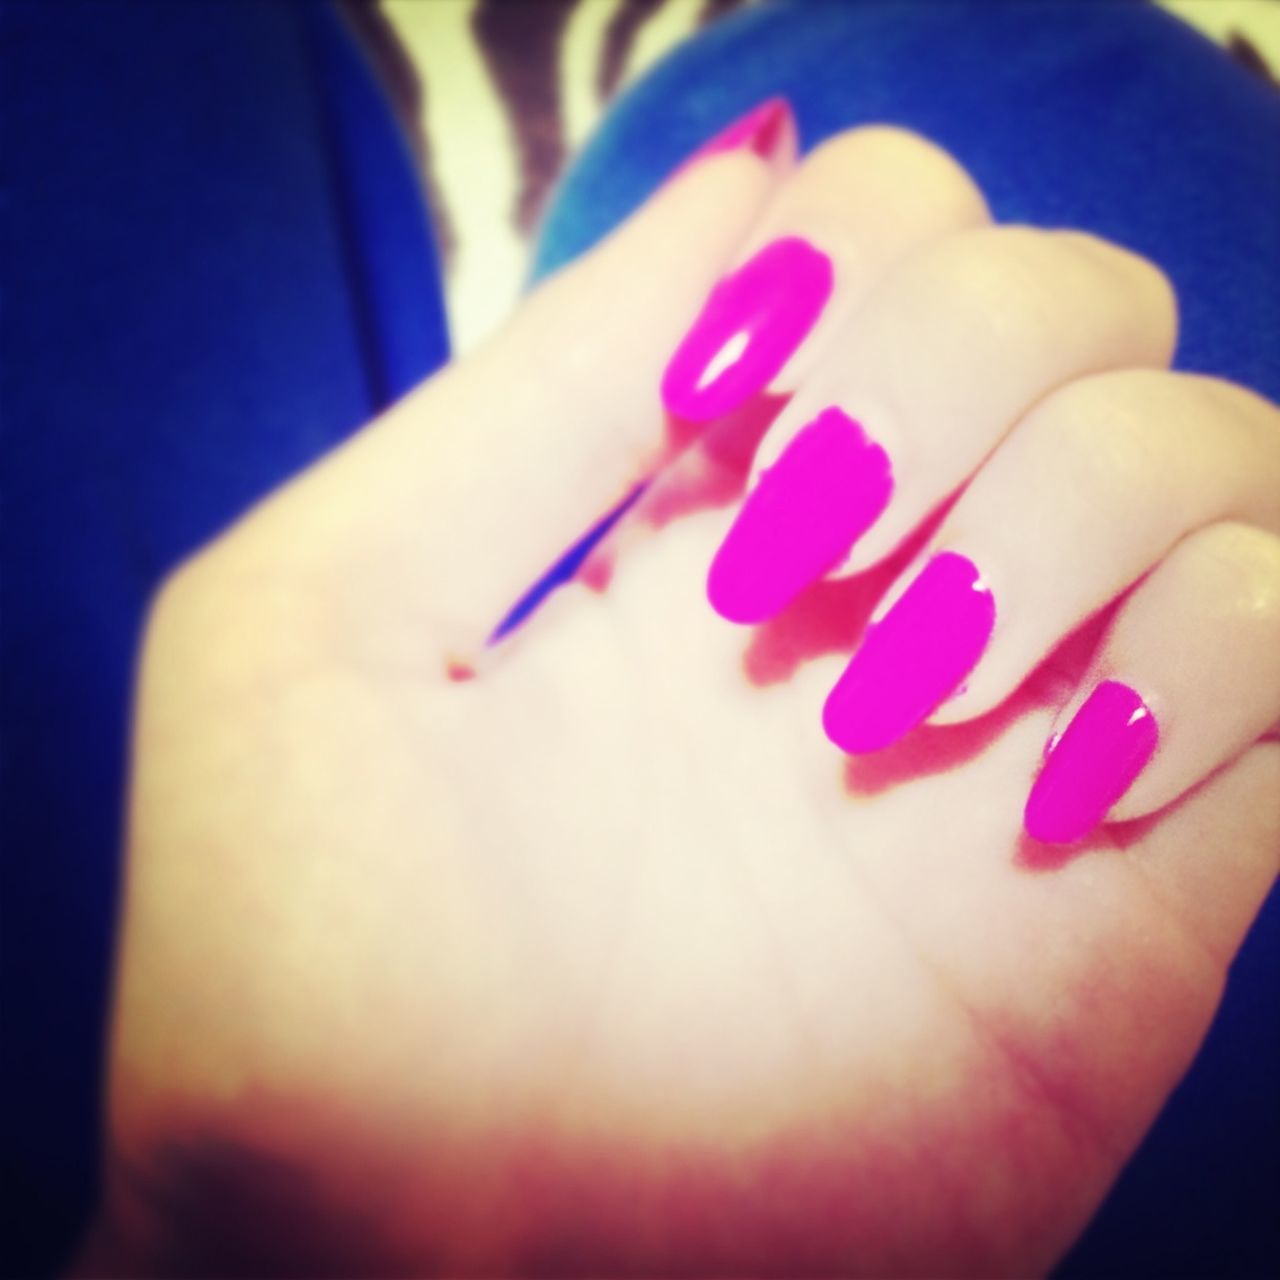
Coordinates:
[931,373]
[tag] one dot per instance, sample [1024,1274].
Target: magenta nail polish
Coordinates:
[826,489]
[763,130]
[749,326]
[913,658]
[1092,764]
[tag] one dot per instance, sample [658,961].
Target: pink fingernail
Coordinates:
[1093,763]
[826,489]
[764,130]
[748,329]
[913,658]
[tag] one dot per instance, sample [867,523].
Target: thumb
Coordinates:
[463,494]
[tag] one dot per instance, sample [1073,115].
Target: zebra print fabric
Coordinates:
[496,95]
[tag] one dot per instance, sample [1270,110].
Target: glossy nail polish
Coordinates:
[762,130]
[826,489]
[914,657]
[747,330]
[1092,764]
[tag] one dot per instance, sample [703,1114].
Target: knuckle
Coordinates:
[1085,249]
[1208,446]
[1230,399]
[1038,287]
[1096,429]
[1244,562]
[1132,274]
[982,265]
[903,158]
[998,288]
[1113,402]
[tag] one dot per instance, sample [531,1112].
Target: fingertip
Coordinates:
[1091,765]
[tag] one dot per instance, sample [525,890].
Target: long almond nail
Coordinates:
[763,130]
[748,329]
[827,488]
[1093,763]
[913,658]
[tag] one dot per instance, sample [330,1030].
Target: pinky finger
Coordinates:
[1187,677]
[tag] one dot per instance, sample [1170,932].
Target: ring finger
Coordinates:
[1089,492]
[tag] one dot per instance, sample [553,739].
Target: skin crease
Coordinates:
[605,961]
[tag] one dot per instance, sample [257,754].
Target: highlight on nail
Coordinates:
[914,657]
[1091,764]
[827,488]
[749,327]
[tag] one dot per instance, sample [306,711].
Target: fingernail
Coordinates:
[748,329]
[827,488]
[914,657]
[763,130]
[1091,765]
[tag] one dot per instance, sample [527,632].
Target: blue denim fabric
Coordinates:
[216,265]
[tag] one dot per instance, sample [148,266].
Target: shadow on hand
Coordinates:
[935,749]
[1116,837]
[710,471]
[931,749]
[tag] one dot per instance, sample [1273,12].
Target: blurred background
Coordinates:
[236,229]
[527,81]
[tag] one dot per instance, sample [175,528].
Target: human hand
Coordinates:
[605,960]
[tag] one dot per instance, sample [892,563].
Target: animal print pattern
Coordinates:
[496,96]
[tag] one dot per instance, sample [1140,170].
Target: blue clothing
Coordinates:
[218,264]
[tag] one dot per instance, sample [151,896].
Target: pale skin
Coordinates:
[604,960]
